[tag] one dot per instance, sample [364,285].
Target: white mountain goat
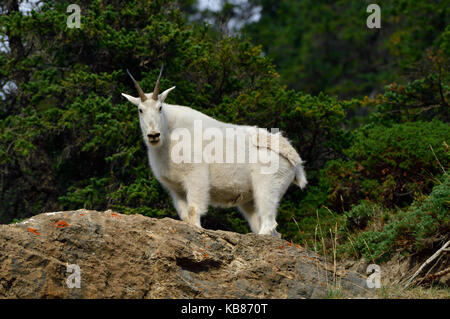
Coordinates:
[197,181]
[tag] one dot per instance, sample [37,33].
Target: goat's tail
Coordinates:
[280,144]
[300,176]
[286,150]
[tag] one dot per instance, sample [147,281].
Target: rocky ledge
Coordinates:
[91,254]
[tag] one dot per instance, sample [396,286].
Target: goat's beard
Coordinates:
[155,144]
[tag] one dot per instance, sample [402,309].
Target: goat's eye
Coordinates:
[160,108]
[140,110]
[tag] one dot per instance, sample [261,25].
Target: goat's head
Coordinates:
[151,112]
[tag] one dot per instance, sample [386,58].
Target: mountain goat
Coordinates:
[186,151]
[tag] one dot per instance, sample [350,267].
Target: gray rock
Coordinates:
[133,256]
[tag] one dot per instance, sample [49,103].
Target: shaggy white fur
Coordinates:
[193,186]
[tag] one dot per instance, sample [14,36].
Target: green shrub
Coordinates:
[409,230]
[359,216]
[388,165]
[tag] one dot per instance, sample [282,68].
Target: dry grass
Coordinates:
[391,270]
[398,292]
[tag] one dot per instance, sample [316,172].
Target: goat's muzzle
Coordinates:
[153,138]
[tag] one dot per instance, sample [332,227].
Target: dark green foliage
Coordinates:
[409,230]
[359,215]
[425,98]
[388,164]
[325,46]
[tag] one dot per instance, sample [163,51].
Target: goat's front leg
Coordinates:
[180,203]
[197,195]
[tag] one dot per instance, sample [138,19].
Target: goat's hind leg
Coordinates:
[266,209]
[267,195]
[249,212]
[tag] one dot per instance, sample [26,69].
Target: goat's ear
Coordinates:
[164,94]
[134,100]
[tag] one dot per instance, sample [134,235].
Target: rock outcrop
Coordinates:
[132,256]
